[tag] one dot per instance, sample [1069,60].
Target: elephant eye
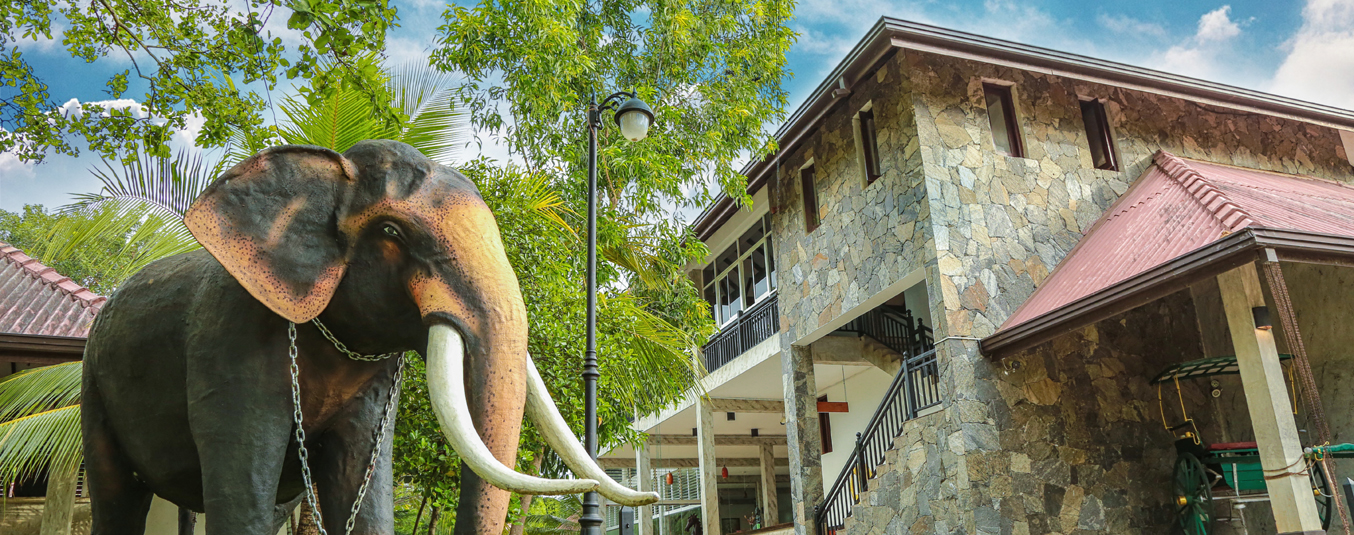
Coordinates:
[391,230]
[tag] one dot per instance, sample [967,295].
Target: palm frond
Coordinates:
[436,126]
[146,232]
[553,515]
[664,357]
[533,191]
[167,185]
[344,119]
[48,441]
[40,389]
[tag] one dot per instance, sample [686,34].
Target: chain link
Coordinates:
[344,349]
[382,428]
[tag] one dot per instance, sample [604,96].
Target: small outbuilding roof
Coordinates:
[36,300]
[1179,209]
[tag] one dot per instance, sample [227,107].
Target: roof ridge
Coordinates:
[48,276]
[1231,214]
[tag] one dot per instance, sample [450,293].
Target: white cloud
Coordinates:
[1203,54]
[1320,61]
[1126,25]
[1217,25]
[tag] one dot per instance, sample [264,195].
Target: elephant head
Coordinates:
[294,224]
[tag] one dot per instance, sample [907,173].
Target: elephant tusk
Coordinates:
[446,389]
[543,412]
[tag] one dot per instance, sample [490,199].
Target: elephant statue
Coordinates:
[200,366]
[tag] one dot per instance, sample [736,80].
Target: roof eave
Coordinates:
[1177,274]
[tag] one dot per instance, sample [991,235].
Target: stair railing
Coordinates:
[915,388]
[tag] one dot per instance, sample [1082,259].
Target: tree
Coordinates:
[99,263]
[190,57]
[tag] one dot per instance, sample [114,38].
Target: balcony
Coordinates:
[752,327]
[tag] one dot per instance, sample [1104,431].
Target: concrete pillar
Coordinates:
[643,483]
[709,473]
[59,507]
[770,513]
[1262,379]
[801,430]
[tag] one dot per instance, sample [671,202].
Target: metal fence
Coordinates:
[754,325]
[915,388]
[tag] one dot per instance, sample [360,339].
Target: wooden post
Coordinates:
[643,483]
[709,473]
[770,512]
[1262,379]
[60,505]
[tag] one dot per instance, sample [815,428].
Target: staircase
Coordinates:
[914,388]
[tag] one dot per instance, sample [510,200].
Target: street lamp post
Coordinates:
[634,118]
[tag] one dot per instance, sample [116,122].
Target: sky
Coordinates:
[1299,49]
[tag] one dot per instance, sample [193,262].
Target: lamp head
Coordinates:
[634,117]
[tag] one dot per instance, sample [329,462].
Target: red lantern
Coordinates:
[725,473]
[669,478]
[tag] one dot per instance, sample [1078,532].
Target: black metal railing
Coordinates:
[752,327]
[915,388]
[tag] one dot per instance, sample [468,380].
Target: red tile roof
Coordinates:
[35,299]
[1178,206]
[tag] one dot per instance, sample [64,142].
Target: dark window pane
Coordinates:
[771,262]
[825,428]
[751,237]
[714,305]
[749,283]
[731,296]
[708,275]
[810,198]
[756,272]
[726,259]
[870,145]
[1001,114]
[1098,135]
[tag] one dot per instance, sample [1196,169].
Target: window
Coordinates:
[1001,112]
[825,428]
[1098,135]
[810,198]
[742,275]
[869,145]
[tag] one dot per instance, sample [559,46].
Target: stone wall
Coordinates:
[870,236]
[1068,439]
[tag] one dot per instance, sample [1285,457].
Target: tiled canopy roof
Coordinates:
[36,300]
[1178,206]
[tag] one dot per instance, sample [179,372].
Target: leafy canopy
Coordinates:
[190,57]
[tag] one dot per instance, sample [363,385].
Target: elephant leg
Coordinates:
[119,503]
[341,463]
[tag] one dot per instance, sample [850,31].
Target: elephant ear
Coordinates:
[272,222]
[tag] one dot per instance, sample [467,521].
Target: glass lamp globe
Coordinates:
[634,117]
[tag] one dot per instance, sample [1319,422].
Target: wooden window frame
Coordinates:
[808,184]
[868,130]
[1006,93]
[1105,135]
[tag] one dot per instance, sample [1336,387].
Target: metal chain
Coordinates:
[304,454]
[344,349]
[1278,288]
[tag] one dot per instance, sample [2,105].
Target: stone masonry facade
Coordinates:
[1004,455]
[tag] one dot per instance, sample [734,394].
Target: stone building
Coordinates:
[980,255]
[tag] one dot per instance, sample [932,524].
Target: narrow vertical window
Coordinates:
[1098,135]
[869,144]
[825,428]
[810,198]
[1001,112]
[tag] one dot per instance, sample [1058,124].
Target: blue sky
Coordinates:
[1301,49]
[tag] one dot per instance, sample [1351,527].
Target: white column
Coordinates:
[709,477]
[59,507]
[1262,379]
[643,482]
[770,514]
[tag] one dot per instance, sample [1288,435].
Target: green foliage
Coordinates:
[99,262]
[192,56]
[553,515]
[40,422]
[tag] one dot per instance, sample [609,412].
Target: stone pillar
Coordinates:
[801,430]
[60,505]
[1262,379]
[643,483]
[709,473]
[770,513]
